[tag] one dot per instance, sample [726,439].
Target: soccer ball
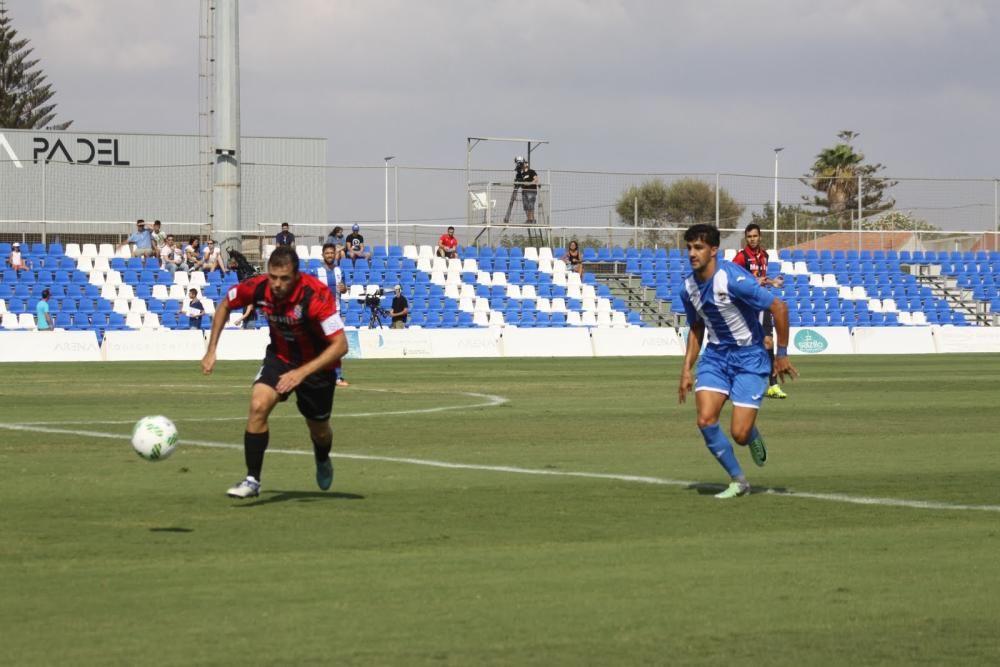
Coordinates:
[154,438]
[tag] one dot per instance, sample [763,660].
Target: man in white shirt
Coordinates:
[171,257]
[213,258]
[192,255]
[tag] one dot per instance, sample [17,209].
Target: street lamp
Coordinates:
[776,151]
[388,159]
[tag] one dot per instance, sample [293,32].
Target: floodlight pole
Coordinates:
[388,159]
[776,151]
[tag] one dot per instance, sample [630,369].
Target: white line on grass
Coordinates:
[660,481]
[489,401]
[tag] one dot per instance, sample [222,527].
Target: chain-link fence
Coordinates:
[413,205]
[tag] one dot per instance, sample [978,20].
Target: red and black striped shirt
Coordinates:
[754,261]
[302,326]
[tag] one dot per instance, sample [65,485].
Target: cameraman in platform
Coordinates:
[526,179]
[400,308]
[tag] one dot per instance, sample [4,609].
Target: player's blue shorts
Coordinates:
[740,373]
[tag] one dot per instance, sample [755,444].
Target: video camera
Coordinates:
[372,298]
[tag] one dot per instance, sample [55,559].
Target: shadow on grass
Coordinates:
[171,529]
[711,488]
[269,497]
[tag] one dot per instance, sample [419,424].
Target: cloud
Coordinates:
[709,85]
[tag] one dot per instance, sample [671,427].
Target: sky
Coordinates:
[629,85]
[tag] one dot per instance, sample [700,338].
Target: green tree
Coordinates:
[898,221]
[25,98]
[682,203]
[835,175]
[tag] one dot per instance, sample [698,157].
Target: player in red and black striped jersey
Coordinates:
[307,344]
[753,258]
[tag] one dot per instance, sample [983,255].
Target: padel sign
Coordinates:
[100,150]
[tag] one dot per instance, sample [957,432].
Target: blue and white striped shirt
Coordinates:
[332,279]
[729,303]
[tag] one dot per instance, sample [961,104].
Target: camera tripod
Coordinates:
[376,315]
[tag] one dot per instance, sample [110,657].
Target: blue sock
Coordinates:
[722,450]
[754,433]
[338,373]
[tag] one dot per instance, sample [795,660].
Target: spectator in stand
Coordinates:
[400,309]
[45,321]
[16,260]
[192,255]
[212,258]
[336,239]
[448,245]
[284,237]
[171,257]
[573,258]
[141,240]
[356,246]
[159,238]
[194,309]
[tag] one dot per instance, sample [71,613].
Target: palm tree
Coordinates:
[835,176]
[25,98]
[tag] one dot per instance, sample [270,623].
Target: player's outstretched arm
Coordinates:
[218,323]
[783,367]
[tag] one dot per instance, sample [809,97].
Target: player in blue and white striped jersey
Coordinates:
[724,301]
[331,273]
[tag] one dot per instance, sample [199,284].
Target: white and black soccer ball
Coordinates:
[154,438]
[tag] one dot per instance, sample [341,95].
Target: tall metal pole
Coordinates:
[717,199]
[226,190]
[776,151]
[395,195]
[388,159]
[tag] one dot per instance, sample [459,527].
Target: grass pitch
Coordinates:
[108,559]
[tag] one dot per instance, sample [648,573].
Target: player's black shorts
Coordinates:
[768,324]
[314,397]
[528,199]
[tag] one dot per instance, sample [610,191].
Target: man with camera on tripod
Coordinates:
[400,308]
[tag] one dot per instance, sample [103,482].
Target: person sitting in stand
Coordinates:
[448,245]
[171,257]
[16,260]
[356,246]
[573,258]
[213,258]
[336,239]
[159,238]
[141,240]
[284,237]
[192,255]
